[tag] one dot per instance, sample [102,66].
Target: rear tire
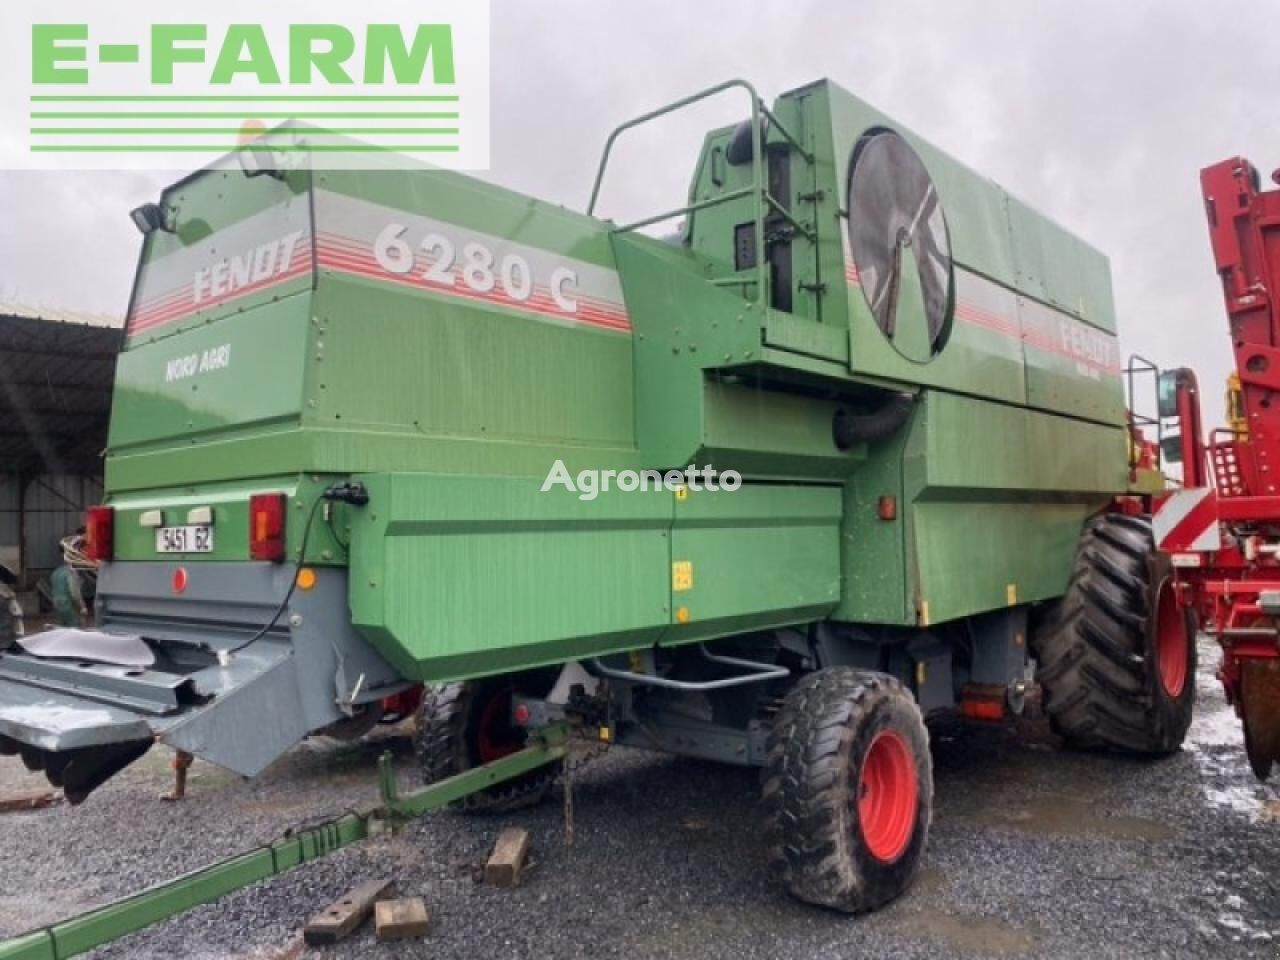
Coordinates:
[849,789]
[1117,657]
[463,725]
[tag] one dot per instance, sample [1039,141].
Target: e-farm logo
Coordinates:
[180,84]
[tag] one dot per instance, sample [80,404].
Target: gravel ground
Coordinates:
[1035,851]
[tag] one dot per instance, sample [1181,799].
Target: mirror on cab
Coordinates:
[1167,393]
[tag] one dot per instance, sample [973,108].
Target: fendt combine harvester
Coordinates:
[1222,529]
[340,399]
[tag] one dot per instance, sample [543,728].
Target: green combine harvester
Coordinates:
[374,430]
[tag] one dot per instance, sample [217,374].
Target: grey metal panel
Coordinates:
[703,740]
[141,691]
[8,493]
[246,728]
[54,508]
[243,717]
[48,493]
[223,603]
[237,701]
[330,668]
[10,520]
[59,721]
[931,668]
[999,646]
[44,533]
[62,493]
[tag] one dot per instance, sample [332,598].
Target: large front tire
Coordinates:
[849,789]
[1117,657]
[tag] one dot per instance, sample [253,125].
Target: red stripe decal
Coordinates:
[164,315]
[347,256]
[338,244]
[1185,532]
[539,304]
[969,312]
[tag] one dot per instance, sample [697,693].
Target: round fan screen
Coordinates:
[898,237]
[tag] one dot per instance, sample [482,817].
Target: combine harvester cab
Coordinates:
[377,429]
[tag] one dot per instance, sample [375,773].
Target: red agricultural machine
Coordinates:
[1222,528]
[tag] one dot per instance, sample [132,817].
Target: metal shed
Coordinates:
[55,401]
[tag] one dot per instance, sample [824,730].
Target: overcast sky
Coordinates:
[1100,114]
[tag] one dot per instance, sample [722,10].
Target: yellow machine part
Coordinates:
[1236,419]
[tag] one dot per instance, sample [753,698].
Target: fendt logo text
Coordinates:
[137,86]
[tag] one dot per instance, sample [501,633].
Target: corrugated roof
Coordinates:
[55,394]
[25,308]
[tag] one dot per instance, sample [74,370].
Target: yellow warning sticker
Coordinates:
[1011,593]
[682,493]
[681,576]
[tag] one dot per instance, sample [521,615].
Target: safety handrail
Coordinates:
[1139,365]
[758,189]
[754,672]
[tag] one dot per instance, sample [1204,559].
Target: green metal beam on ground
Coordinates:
[110,922]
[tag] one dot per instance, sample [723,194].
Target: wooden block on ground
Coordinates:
[402,919]
[508,857]
[345,914]
[26,800]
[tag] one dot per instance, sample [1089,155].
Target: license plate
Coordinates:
[192,539]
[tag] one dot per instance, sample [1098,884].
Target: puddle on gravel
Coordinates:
[1216,741]
[1213,722]
[928,881]
[1061,815]
[966,933]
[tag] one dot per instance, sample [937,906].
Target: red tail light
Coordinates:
[266,526]
[99,533]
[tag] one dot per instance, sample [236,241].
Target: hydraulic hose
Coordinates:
[352,492]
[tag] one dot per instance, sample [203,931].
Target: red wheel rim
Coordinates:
[1172,642]
[495,737]
[887,794]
